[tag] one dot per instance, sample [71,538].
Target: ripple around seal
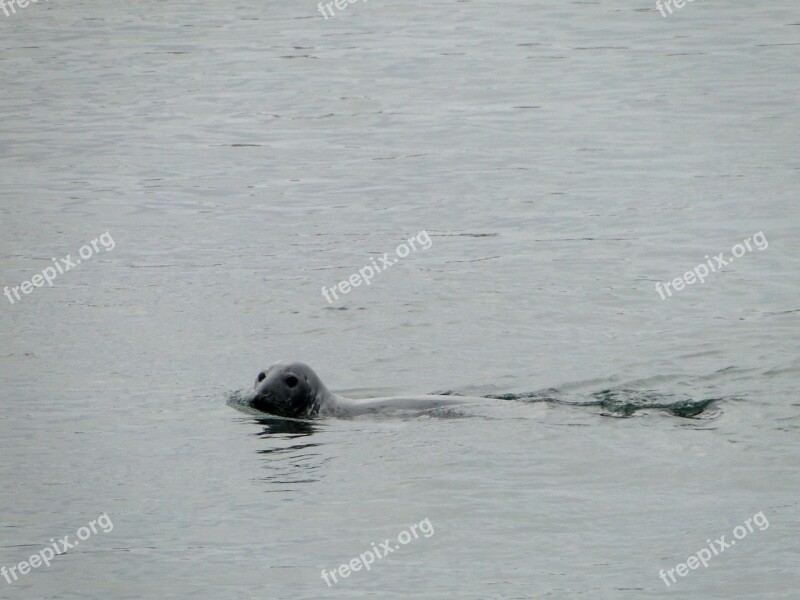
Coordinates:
[240,399]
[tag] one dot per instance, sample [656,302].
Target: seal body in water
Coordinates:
[293,389]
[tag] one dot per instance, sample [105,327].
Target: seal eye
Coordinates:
[261,377]
[291,381]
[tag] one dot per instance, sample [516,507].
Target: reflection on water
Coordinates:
[278,425]
[289,463]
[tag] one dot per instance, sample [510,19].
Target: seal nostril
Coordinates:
[261,376]
[291,381]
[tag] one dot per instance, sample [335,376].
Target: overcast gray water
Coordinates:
[563,158]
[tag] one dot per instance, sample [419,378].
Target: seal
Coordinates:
[293,389]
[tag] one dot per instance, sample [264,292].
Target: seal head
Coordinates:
[289,389]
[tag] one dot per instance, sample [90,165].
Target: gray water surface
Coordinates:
[562,157]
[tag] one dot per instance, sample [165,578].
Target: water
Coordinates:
[563,158]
